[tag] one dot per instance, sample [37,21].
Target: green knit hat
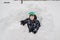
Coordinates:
[31,13]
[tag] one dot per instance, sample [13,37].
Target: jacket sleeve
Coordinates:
[23,22]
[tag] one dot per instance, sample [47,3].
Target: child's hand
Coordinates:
[22,22]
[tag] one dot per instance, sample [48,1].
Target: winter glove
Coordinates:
[22,22]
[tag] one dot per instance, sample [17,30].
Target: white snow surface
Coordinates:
[12,13]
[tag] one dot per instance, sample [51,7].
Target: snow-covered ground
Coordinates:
[13,12]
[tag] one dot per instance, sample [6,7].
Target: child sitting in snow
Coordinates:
[32,23]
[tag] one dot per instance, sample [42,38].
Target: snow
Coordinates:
[12,13]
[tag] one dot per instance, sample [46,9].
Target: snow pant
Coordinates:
[33,30]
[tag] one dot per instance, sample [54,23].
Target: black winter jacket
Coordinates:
[32,25]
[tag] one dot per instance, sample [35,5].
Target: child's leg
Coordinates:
[31,29]
[34,32]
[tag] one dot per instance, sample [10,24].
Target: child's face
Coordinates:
[31,17]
